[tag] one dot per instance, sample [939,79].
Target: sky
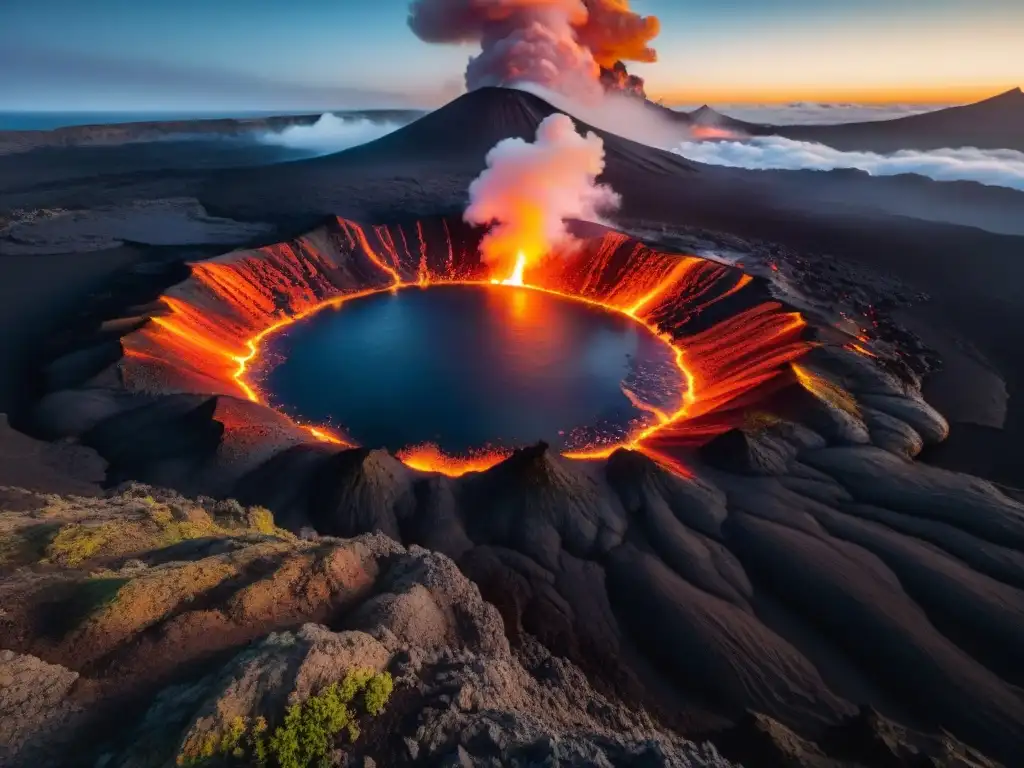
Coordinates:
[220,55]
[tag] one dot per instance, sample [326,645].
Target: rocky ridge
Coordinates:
[184,618]
[234,601]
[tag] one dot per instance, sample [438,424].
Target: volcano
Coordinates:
[425,168]
[760,560]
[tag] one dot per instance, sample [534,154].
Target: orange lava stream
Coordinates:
[237,297]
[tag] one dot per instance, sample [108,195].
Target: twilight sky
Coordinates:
[318,54]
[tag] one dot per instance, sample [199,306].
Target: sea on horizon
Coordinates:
[46,121]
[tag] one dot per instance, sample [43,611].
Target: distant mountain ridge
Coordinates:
[994,123]
[123,133]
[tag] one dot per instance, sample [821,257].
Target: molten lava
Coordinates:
[731,344]
[516,276]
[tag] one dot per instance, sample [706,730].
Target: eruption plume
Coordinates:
[574,47]
[528,191]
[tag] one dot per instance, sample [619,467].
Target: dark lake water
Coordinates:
[467,367]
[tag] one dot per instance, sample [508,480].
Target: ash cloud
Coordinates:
[562,45]
[529,190]
[996,167]
[330,133]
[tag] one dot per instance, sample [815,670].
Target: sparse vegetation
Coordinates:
[131,524]
[262,520]
[74,544]
[307,736]
[378,692]
[27,545]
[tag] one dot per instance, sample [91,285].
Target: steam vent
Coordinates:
[755,540]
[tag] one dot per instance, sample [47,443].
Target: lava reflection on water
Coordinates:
[472,366]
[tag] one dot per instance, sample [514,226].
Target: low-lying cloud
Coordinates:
[815,113]
[330,133]
[994,167]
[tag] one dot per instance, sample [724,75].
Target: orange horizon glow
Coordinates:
[880,96]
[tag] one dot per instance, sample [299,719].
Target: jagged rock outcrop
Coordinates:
[207,617]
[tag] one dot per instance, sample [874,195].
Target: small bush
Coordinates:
[309,732]
[378,691]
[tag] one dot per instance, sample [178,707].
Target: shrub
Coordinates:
[306,737]
[378,691]
[231,741]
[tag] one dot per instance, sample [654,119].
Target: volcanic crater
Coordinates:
[728,341]
[767,545]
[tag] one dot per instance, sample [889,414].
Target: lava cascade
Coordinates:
[732,343]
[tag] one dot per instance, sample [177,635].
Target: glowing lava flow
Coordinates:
[726,347]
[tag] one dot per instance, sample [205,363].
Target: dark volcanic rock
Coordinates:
[744,453]
[360,490]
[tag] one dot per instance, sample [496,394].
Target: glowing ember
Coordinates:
[216,322]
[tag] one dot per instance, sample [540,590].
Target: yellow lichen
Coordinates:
[74,544]
[262,520]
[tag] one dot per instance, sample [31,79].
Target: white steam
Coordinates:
[330,133]
[528,191]
[994,167]
[618,113]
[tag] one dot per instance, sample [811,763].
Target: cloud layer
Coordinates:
[331,133]
[813,113]
[997,167]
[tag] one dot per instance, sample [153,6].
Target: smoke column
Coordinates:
[528,191]
[574,47]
